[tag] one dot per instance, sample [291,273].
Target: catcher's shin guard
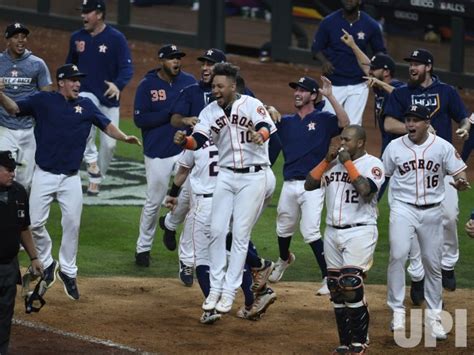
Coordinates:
[343,324]
[359,323]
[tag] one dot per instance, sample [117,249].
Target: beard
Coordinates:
[417,82]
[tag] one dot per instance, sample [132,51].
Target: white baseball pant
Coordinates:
[22,144]
[353,98]
[107,144]
[408,222]
[239,196]
[450,206]
[68,192]
[352,246]
[158,172]
[296,202]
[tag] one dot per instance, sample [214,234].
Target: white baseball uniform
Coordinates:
[351,223]
[240,187]
[417,182]
[353,99]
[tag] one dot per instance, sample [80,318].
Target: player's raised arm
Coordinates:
[113,131]
[313,179]
[362,58]
[326,91]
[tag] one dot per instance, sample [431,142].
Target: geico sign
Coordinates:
[423,3]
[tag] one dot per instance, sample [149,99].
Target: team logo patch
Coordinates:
[261,111]
[377,173]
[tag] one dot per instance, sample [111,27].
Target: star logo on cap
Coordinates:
[413,108]
[102,48]
[209,52]
[361,35]
[75,68]
[311,126]
[17,25]
[78,109]
[415,54]
[301,80]
[174,48]
[14,73]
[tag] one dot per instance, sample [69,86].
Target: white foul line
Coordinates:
[89,339]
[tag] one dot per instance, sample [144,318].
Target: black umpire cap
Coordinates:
[15,28]
[169,51]
[91,5]
[382,61]
[6,160]
[68,71]
[420,56]
[306,83]
[419,111]
[213,55]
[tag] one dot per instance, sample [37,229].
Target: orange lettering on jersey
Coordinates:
[158,95]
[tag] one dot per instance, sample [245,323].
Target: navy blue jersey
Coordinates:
[366,31]
[153,101]
[441,99]
[61,129]
[381,97]
[305,142]
[105,56]
[192,99]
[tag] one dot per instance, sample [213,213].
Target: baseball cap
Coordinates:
[382,61]
[169,51]
[421,56]
[213,55]
[306,83]
[6,160]
[91,5]
[15,28]
[68,71]
[419,111]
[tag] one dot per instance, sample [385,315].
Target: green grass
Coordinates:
[108,238]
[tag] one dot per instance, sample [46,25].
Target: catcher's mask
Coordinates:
[33,299]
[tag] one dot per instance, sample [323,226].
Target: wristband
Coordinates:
[174,191]
[34,258]
[319,170]
[189,143]
[264,133]
[352,170]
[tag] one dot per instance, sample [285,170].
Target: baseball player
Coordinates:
[102,52]
[339,63]
[23,75]
[184,111]
[445,104]
[379,72]
[201,167]
[305,137]
[351,183]
[153,99]
[417,164]
[239,126]
[63,122]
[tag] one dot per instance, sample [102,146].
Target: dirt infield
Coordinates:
[121,315]
[162,316]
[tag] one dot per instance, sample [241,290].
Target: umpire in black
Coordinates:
[14,229]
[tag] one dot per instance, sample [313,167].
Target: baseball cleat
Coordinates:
[142,259]
[186,274]
[224,305]
[50,274]
[261,303]
[70,286]
[323,290]
[417,292]
[449,280]
[260,276]
[93,189]
[169,236]
[398,322]
[358,349]
[341,349]
[280,267]
[437,330]
[210,317]
[93,170]
[210,302]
